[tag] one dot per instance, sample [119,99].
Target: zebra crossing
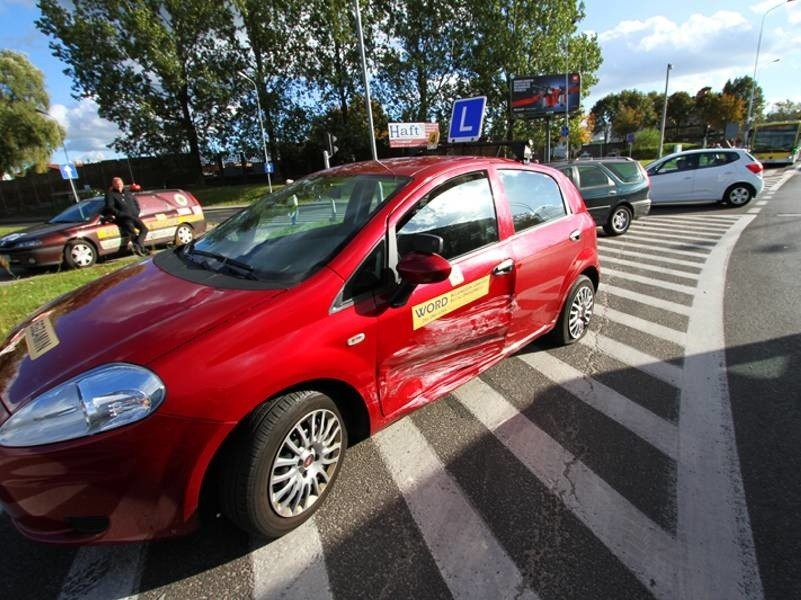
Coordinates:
[603,470]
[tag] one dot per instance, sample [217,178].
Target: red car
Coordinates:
[80,234]
[245,362]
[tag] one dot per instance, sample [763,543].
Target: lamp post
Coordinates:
[66,155]
[753,80]
[664,112]
[366,81]
[261,127]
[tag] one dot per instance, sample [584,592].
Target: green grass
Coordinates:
[224,195]
[4,230]
[21,297]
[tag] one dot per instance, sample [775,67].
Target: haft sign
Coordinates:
[412,135]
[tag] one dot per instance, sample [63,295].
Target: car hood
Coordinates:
[36,231]
[133,315]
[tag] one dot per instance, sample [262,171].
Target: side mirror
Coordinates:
[416,268]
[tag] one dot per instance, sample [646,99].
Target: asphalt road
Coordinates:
[658,458]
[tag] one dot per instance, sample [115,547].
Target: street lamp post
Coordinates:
[753,80]
[261,126]
[66,155]
[664,112]
[366,81]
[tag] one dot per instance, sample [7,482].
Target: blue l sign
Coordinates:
[467,119]
[68,171]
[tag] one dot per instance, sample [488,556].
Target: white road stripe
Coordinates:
[646,267]
[668,240]
[634,254]
[102,572]
[691,226]
[699,233]
[665,285]
[762,203]
[654,329]
[470,559]
[664,371]
[658,432]
[659,248]
[714,528]
[708,220]
[673,233]
[646,550]
[291,567]
[645,299]
[753,211]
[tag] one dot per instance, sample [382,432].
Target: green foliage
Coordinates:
[646,138]
[741,88]
[786,110]
[28,137]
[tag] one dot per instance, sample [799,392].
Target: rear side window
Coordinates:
[461,212]
[716,159]
[534,198]
[592,176]
[628,172]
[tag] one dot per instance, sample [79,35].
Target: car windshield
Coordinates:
[286,236]
[628,171]
[82,212]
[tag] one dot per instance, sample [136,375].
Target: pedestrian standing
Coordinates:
[123,207]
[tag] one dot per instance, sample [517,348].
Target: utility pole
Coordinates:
[664,112]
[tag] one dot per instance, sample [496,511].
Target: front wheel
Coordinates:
[79,254]
[282,463]
[184,234]
[577,312]
[619,221]
[738,194]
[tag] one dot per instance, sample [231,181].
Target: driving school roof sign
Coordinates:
[412,135]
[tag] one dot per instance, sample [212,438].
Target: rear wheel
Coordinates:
[577,312]
[184,234]
[619,221]
[738,194]
[79,254]
[282,463]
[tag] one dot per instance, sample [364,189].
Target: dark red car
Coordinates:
[244,363]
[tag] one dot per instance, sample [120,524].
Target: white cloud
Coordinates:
[88,135]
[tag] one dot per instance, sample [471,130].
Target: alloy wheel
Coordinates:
[581,312]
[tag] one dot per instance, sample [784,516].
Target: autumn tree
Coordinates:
[787,110]
[29,137]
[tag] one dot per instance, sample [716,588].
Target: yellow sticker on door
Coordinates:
[431,310]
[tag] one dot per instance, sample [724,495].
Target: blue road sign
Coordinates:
[565,131]
[269,168]
[467,119]
[68,171]
[630,138]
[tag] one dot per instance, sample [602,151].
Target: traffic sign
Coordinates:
[68,171]
[565,131]
[467,119]
[630,138]
[269,168]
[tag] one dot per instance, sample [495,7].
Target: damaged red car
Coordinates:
[239,367]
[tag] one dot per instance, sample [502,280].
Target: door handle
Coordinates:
[575,235]
[504,267]
[612,192]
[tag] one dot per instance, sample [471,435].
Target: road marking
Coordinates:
[292,566]
[753,211]
[648,268]
[645,299]
[714,528]
[670,241]
[660,283]
[788,215]
[646,549]
[698,233]
[655,257]
[649,427]
[664,371]
[690,226]
[671,233]
[655,329]
[660,250]
[762,203]
[472,562]
[102,572]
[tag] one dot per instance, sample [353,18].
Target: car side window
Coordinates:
[592,176]
[368,277]
[714,159]
[461,212]
[534,198]
[568,171]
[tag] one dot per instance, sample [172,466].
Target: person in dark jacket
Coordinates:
[123,207]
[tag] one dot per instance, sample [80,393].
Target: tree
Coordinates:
[740,87]
[159,69]
[29,137]
[680,111]
[786,110]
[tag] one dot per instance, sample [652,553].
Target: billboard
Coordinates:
[412,135]
[541,95]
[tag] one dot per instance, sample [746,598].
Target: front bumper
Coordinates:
[29,258]
[137,483]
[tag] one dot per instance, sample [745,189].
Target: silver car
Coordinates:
[725,175]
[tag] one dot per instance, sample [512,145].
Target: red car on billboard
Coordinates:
[244,363]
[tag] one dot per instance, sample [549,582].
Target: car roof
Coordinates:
[414,166]
[700,150]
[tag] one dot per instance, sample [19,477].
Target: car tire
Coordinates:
[738,195]
[80,254]
[576,313]
[282,463]
[619,221]
[184,234]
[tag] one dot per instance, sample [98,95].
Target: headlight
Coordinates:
[101,399]
[29,244]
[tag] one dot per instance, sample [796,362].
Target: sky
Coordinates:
[706,42]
